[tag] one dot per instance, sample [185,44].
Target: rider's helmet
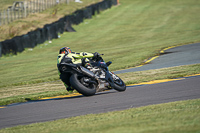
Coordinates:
[65,50]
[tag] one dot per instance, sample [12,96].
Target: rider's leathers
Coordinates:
[74,58]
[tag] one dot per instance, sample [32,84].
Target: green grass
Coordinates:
[175,117]
[159,74]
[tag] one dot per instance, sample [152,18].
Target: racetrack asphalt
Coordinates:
[176,56]
[134,96]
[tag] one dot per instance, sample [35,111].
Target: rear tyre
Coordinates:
[82,86]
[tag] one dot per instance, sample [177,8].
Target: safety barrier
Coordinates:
[51,31]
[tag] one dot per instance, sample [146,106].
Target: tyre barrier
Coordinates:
[51,31]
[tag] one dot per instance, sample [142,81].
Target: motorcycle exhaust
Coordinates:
[87,72]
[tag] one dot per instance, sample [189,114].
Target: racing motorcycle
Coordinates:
[92,76]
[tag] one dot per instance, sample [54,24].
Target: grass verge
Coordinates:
[179,117]
[158,74]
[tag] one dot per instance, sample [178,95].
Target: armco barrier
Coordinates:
[51,31]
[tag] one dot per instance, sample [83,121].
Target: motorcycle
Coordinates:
[92,76]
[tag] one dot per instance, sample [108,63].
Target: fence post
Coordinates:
[11,15]
[0,23]
[25,9]
[17,14]
[38,6]
[22,13]
[8,15]
[14,14]
[34,3]
[67,1]
[27,6]
[42,5]
[31,5]
[4,17]
[45,5]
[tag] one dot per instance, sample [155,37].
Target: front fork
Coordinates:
[109,78]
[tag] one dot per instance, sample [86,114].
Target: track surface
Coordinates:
[135,96]
[177,56]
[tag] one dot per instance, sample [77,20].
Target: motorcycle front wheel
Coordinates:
[83,85]
[119,84]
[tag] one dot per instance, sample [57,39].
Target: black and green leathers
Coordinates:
[74,58]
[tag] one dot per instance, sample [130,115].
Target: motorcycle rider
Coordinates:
[67,56]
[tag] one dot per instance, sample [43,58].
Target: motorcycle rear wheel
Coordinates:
[78,84]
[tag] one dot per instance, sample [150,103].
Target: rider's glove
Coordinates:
[96,55]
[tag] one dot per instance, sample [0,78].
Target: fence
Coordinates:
[51,31]
[23,8]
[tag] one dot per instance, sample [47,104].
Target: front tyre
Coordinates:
[119,85]
[82,86]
